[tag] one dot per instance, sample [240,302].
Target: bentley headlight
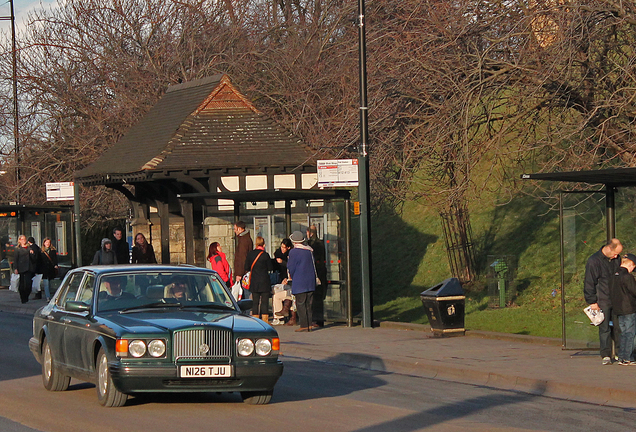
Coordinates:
[245,347]
[156,348]
[263,347]
[137,348]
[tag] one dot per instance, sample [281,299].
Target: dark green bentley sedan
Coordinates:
[152,328]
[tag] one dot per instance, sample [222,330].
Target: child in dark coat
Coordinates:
[623,298]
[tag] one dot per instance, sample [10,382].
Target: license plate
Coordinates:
[207,371]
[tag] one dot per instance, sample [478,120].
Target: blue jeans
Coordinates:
[45,284]
[627,324]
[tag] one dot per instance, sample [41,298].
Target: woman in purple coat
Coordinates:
[303,274]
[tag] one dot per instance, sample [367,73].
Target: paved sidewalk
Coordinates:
[503,361]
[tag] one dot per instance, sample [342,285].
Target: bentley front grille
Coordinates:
[202,344]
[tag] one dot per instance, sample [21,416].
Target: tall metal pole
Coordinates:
[16,138]
[363,179]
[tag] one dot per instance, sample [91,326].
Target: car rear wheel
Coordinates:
[52,379]
[257,398]
[107,394]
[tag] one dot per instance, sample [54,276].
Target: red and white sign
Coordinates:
[337,172]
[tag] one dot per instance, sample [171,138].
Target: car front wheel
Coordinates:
[51,377]
[257,398]
[107,394]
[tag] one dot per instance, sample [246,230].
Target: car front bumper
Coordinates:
[138,378]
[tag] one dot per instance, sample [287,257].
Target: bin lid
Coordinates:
[449,287]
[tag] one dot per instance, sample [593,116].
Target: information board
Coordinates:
[62,191]
[337,172]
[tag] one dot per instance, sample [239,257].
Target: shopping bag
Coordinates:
[596,316]
[15,282]
[237,291]
[35,285]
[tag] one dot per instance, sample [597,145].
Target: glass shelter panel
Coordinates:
[584,233]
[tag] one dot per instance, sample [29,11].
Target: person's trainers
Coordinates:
[607,361]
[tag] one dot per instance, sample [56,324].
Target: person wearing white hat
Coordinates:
[303,276]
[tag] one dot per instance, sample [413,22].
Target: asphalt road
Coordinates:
[311,396]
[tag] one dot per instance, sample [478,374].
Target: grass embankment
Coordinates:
[409,256]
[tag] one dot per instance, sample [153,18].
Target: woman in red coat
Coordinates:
[219,263]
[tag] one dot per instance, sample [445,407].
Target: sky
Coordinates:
[21,8]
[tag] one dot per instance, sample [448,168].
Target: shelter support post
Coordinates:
[188,230]
[348,261]
[288,218]
[562,245]
[610,207]
[77,225]
[164,216]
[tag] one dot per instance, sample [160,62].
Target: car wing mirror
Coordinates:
[77,306]
[245,304]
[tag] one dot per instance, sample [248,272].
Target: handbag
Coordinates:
[247,277]
[597,317]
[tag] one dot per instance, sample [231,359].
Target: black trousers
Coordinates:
[26,281]
[606,333]
[261,303]
[303,308]
[318,303]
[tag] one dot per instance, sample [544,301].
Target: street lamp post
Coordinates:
[363,179]
[15,100]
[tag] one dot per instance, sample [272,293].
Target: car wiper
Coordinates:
[207,306]
[156,305]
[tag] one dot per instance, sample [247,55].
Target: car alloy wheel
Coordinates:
[52,379]
[107,394]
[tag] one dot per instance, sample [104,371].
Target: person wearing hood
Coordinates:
[105,255]
[302,272]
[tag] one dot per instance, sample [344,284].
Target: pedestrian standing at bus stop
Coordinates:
[598,271]
[25,261]
[303,277]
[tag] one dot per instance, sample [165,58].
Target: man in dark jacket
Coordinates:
[623,297]
[598,271]
[39,266]
[243,246]
[121,247]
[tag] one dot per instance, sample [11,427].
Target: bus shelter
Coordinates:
[601,208]
[39,222]
[203,158]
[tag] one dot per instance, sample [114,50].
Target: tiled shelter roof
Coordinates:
[202,124]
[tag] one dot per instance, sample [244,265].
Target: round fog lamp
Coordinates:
[156,348]
[245,347]
[263,347]
[137,348]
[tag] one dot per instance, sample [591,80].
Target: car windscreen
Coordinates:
[136,291]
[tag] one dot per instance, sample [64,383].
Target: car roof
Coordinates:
[130,268]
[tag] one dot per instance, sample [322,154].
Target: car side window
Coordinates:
[86,291]
[70,291]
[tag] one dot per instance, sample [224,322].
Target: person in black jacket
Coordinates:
[38,267]
[121,247]
[598,270]
[25,261]
[260,264]
[623,296]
